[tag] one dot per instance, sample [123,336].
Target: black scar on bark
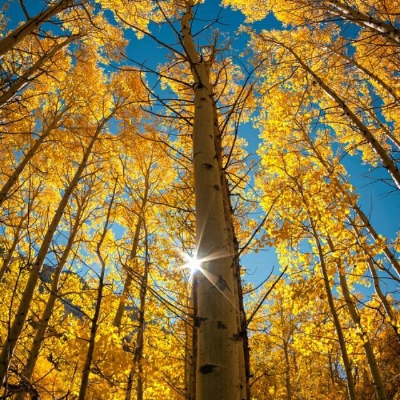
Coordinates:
[221,284]
[207,368]
[221,325]
[207,166]
[198,321]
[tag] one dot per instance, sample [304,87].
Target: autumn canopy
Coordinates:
[198,200]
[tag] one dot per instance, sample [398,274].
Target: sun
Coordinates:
[192,264]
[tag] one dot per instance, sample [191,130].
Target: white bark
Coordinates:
[13,38]
[243,351]
[365,21]
[217,355]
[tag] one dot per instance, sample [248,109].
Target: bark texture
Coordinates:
[217,351]
[365,21]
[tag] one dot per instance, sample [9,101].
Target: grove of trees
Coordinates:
[132,209]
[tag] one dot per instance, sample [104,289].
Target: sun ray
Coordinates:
[194,265]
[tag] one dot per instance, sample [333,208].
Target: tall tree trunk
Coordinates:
[373,366]
[384,29]
[288,383]
[137,366]
[365,71]
[191,344]
[128,280]
[385,303]
[390,312]
[243,350]
[353,312]
[339,332]
[367,224]
[132,256]
[8,258]
[23,309]
[95,320]
[331,372]
[217,353]
[20,33]
[385,129]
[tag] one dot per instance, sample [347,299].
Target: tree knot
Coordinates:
[207,368]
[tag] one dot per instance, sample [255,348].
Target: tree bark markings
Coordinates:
[217,358]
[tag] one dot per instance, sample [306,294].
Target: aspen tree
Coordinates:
[20,318]
[217,354]
[128,280]
[243,351]
[339,331]
[363,130]
[341,185]
[297,170]
[388,133]
[371,75]
[191,342]
[130,263]
[95,320]
[380,390]
[348,13]
[137,367]
[375,371]
[377,21]
[55,123]
[148,174]
[372,264]
[37,68]
[10,252]
[338,327]
[304,126]
[195,344]
[200,73]
[54,292]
